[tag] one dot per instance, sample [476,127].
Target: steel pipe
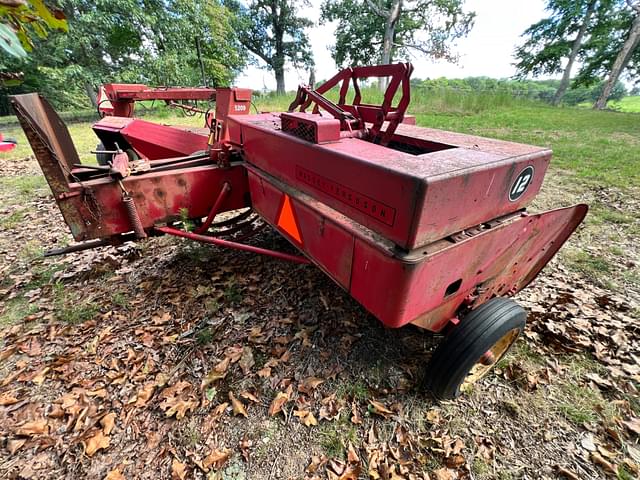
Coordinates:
[226,188]
[237,246]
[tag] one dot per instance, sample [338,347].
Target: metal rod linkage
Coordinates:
[226,188]
[237,246]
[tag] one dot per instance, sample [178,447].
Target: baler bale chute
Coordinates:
[420,226]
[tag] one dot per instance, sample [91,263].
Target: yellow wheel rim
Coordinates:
[487,361]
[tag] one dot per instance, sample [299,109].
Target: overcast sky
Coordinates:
[487,51]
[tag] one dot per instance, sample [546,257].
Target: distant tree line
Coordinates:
[67,48]
[543,90]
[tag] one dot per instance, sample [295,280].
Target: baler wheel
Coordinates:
[102,158]
[472,348]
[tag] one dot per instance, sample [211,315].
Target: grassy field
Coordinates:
[167,306]
[627,104]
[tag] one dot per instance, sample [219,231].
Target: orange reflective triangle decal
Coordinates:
[287,219]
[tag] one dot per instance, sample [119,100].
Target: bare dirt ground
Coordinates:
[167,359]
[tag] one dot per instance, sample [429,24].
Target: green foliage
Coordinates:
[273,31]
[24,20]
[360,31]
[606,40]
[548,42]
[131,41]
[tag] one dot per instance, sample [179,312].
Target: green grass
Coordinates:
[70,308]
[23,188]
[335,436]
[627,104]
[15,310]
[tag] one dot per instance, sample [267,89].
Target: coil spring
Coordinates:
[134,218]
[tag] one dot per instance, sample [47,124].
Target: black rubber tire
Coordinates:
[102,158]
[461,349]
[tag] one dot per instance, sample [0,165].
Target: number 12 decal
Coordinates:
[520,185]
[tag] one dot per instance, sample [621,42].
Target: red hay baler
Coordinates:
[419,225]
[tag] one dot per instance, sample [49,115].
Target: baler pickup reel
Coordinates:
[356,119]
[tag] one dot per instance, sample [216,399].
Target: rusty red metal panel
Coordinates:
[426,286]
[323,240]
[158,197]
[412,193]
[156,141]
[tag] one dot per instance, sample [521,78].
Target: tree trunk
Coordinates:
[566,77]
[312,77]
[279,71]
[621,61]
[392,17]
[91,93]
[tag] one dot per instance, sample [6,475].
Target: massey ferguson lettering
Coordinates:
[366,205]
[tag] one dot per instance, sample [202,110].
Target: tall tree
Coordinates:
[557,37]
[132,41]
[273,31]
[382,31]
[622,59]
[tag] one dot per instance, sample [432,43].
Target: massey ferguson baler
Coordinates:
[419,225]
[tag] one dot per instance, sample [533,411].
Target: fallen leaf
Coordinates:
[216,458]
[108,422]
[602,463]
[35,427]
[246,360]
[145,394]
[352,455]
[219,410]
[309,384]
[8,398]
[115,474]
[587,443]
[264,372]
[634,453]
[15,444]
[352,472]
[178,407]
[633,425]
[316,463]
[218,372]
[355,414]
[445,474]
[249,396]
[380,409]
[178,470]
[40,377]
[98,442]
[237,405]
[306,417]
[277,403]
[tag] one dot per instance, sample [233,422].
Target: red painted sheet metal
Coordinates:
[426,286]
[499,261]
[325,241]
[162,141]
[341,179]
[411,199]
[158,197]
